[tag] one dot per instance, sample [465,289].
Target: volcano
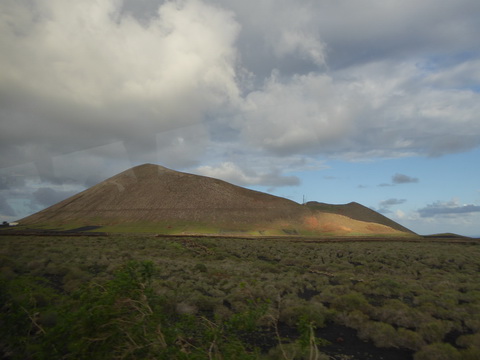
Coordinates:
[153,198]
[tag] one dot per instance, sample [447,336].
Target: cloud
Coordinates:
[381,109]
[286,79]
[460,223]
[377,31]
[90,88]
[385,205]
[232,173]
[403,179]
[9,181]
[465,75]
[99,76]
[304,114]
[305,45]
[449,208]
[391,202]
[48,196]
[6,209]
[400,179]
[175,147]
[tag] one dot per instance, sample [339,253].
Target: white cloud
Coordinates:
[232,173]
[307,113]
[400,214]
[441,217]
[385,205]
[451,208]
[175,147]
[68,68]
[71,68]
[377,110]
[86,53]
[461,76]
[301,44]
[249,89]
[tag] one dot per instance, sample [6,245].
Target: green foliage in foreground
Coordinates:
[121,319]
[141,297]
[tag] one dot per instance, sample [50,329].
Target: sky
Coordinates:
[371,101]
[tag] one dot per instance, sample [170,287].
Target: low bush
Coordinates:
[438,351]
[397,313]
[382,334]
[435,330]
[291,311]
[202,305]
[471,340]
[409,339]
[351,301]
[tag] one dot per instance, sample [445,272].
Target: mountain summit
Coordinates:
[167,201]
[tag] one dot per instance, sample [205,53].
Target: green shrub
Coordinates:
[472,353]
[398,313]
[354,319]
[435,330]
[382,335]
[438,351]
[473,323]
[6,272]
[409,339]
[351,301]
[26,305]
[307,346]
[293,351]
[200,267]
[87,285]
[292,311]
[469,340]
[248,319]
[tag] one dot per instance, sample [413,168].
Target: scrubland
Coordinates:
[146,297]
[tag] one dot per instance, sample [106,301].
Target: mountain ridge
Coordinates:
[169,201]
[356,211]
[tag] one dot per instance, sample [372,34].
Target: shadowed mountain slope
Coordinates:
[174,202]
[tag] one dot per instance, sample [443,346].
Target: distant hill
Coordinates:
[357,211]
[447,236]
[153,198]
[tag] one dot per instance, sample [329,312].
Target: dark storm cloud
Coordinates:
[5,208]
[450,208]
[8,181]
[48,196]
[353,33]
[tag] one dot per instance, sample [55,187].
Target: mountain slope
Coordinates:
[169,201]
[357,211]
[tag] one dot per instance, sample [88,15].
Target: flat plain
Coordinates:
[145,297]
